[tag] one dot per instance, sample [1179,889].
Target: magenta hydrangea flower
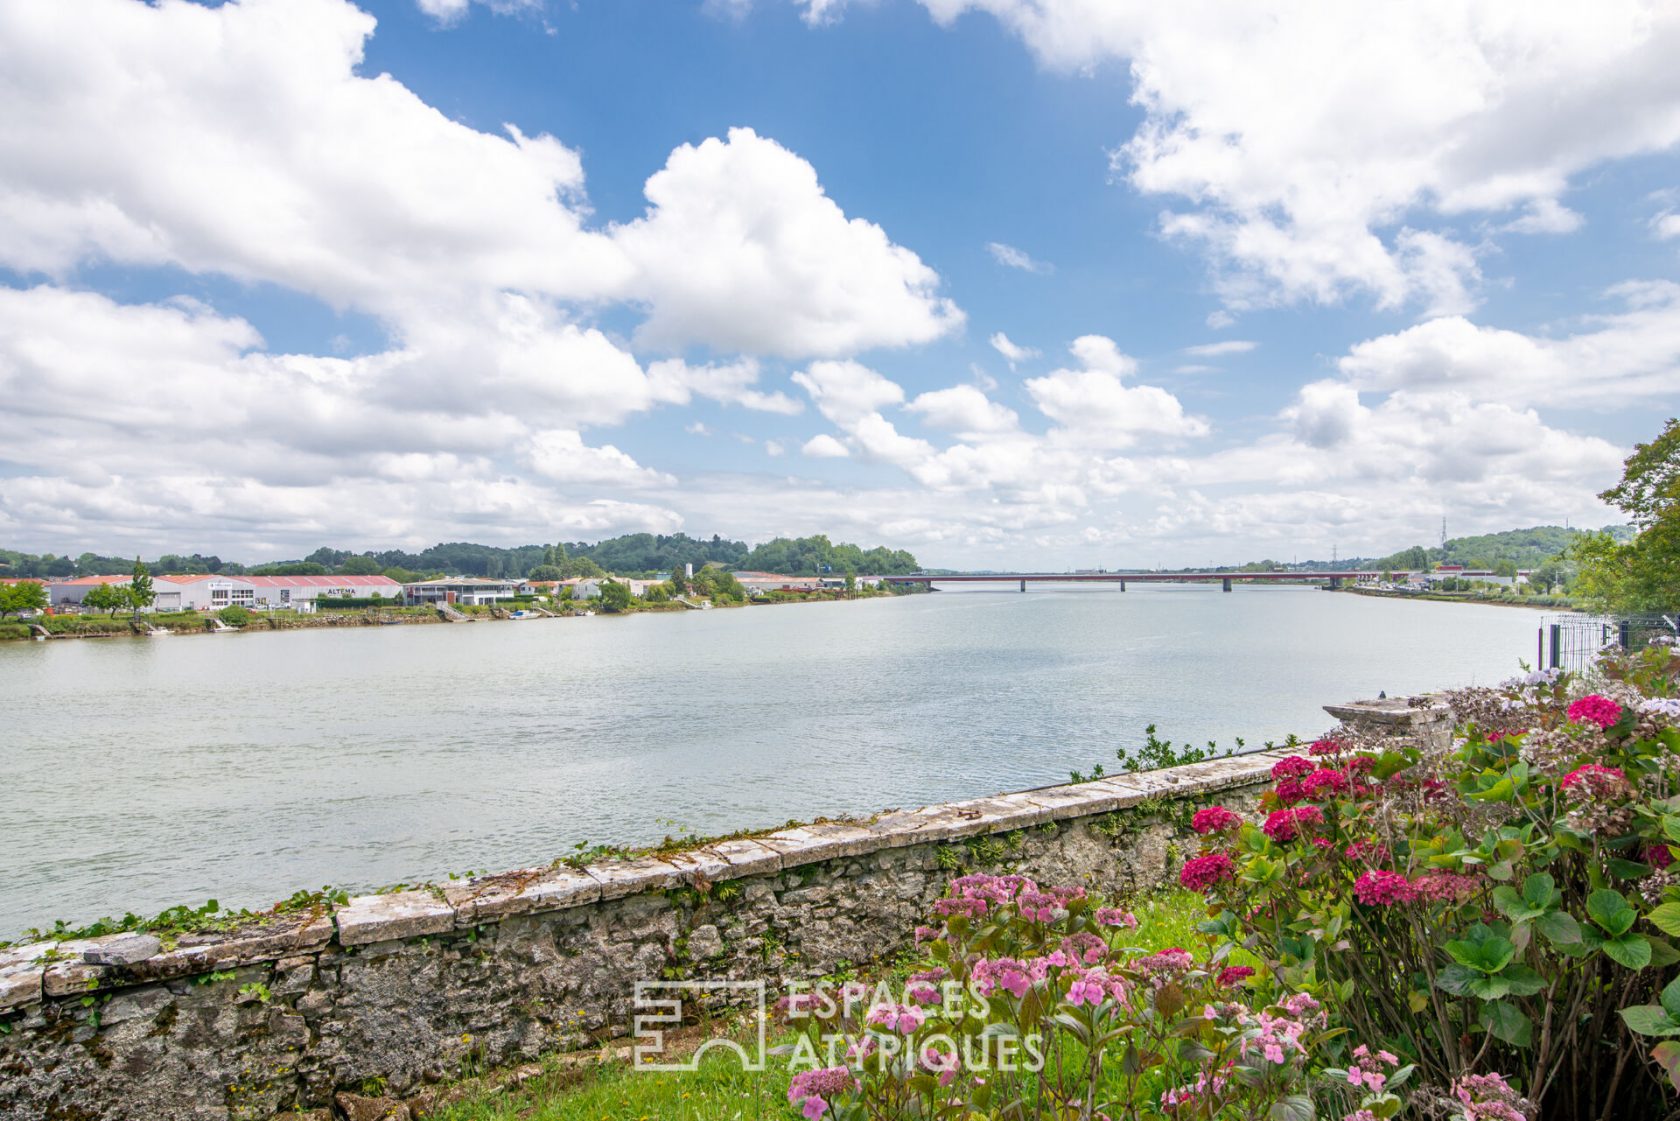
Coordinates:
[1234,975]
[1658,856]
[1290,791]
[1203,872]
[1215,819]
[1284,826]
[1446,887]
[1325,745]
[1324,782]
[1293,766]
[1595,709]
[1382,888]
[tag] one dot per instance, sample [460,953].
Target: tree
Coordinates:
[26,595]
[1642,574]
[140,592]
[851,582]
[108,598]
[615,596]
[359,566]
[546,572]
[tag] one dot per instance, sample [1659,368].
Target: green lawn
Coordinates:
[720,1090]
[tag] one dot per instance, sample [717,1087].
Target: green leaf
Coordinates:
[1455,979]
[1559,927]
[1663,954]
[1540,891]
[1296,1107]
[1506,1021]
[1523,980]
[1611,912]
[1666,918]
[1671,826]
[1670,998]
[1624,869]
[1490,988]
[1514,906]
[1482,949]
[1629,950]
[1648,1019]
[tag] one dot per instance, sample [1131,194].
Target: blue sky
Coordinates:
[1005,282]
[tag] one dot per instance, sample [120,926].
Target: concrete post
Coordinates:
[1429,726]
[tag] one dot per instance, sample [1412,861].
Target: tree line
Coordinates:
[635,554]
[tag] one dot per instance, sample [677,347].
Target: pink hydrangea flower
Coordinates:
[1382,888]
[1290,791]
[815,1088]
[1203,872]
[1325,745]
[1595,709]
[1446,887]
[1215,819]
[902,1018]
[1115,916]
[1587,773]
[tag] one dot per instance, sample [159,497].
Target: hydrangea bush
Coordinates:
[1034,1003]
[1506,906]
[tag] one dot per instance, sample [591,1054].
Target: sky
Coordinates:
[1007,283]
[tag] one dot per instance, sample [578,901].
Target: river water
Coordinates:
[143,773]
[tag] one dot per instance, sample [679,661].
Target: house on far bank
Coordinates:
[473,591]
[212,592]
[763,583]
[167,594]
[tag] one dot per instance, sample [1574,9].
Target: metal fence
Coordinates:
[1572,641]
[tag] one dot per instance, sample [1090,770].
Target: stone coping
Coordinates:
[33,972]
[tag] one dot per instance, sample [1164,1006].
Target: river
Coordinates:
[144,773]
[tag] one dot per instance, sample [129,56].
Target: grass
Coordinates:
[720,1090]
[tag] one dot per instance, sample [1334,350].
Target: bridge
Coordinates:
[1334,579]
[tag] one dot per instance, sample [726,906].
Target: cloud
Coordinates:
[1093,408]
[1615,360]
[1010,351]
[280,448]
[1220,319]
[132,137]
[450,12]
[742,251]
[1016,258]
[824,446]
[774,448]
[1666,226]
[676,382]
[966,410]
[1217,350]
[1310,148]
[846,392]
[1545,216]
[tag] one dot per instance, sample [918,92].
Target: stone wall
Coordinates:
[387,995]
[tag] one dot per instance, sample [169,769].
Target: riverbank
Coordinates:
[1539,603]
[197,623]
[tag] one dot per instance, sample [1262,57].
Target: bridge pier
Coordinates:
[1335,581]
[1227,583]
[1023,585]
[1122,585]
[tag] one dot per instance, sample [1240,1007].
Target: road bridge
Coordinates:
[1334,579]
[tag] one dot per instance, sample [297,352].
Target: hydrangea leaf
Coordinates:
[1649,1019]
[1666,918]
[1611,912]
[1628,950]
[1506,1022]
